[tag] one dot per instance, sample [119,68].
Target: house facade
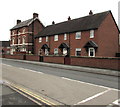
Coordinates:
[95,35]
[22,35]
[4,47]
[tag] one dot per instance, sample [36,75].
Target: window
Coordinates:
[23,49]
[91,52]
[23,39]
[19,33]
[78,35]
[18,40]
[40,39]
[46,52]
[78,51]
[46,38]
[13,40]
[56,38]
[65,36]
[23,30]
[13,33]
[64,51]
[56,51]
[91,33]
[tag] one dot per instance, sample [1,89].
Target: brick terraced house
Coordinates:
[22,35]
[92,35]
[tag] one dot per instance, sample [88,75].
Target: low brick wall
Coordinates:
[108,63]
[54,59]
[21,57]
[32,58]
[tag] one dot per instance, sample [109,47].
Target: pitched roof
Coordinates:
[80,24]
[5,43]
[22,24]
[91,44]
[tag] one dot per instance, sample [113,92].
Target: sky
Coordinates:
[50,10]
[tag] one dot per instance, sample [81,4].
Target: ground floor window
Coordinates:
[64,51]
[78,52]
[56,51]
[91,52]
[46,52]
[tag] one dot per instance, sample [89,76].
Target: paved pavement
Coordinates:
[61,90]
[11,97]
[75,68]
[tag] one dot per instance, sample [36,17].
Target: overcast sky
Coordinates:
[49,10]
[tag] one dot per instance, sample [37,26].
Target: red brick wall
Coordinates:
[54,59]
[21,57]
[108,63]
[107,38]
[32,58]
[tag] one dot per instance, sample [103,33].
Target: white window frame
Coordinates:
[93,52]
[55,37]
[65,36]
[23,39]
[77,49]
[24,31]
[18,40]
[46,52]
[40,39]
[55,51]
[78,35]
[46,38]
[64,51]
[13,33]
[91,33]
[13,41]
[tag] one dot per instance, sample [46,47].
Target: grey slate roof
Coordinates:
[22,24]
[4,43]
[80,24]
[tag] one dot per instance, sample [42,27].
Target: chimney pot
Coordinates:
[69,18]
[35,15]
[53,23]
[90,13]
[18,21]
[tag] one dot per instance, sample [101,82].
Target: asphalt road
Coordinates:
[62,87]
[104,80]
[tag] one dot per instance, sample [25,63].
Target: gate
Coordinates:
[41,59]
[67,60]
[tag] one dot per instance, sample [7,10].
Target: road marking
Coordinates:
[30,93]
[117,102]
[32,70]
[92,97]
[7,65]
[90,84]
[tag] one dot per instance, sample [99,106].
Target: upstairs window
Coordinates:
[18,40]
[56,38]
[13,33]
[78,52]
[65,36]
[13,41]
[23,30]
[40,39]
[78,35]
[91,33]
[46,38]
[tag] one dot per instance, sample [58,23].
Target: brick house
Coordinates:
[4,47]
[22,35]
[92,35]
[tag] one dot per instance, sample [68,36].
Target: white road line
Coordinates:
[92,97]
[117,102]
[32,70]
[7,65]
[90,84]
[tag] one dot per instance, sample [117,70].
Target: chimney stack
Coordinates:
[53,23]
[18,21]
[35,15]
[90,13]
[69,18]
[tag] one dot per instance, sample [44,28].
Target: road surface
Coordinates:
[63,87]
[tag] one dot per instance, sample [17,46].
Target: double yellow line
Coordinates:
[39,98]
